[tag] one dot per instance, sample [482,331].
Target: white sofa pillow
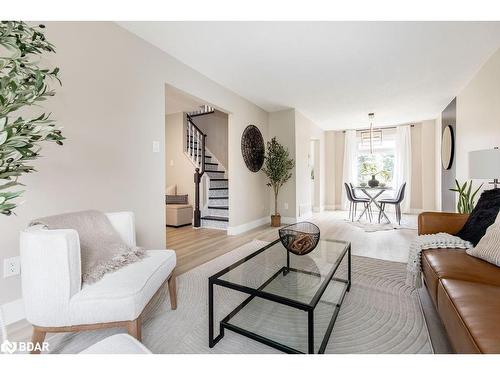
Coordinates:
[488,248]
[171,190]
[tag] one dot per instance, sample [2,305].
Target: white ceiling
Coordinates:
[334,72]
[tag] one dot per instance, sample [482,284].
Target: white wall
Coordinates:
[215,126]
[437,163]
[295,131]
[305,131]
[330,170]
[478,115]
[112,107]
[339,170]
[179,170]
[429,165]
[282,126]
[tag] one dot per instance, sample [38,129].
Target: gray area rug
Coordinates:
[379,315]
[374,226]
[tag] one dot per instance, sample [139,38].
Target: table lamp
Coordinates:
[485,165]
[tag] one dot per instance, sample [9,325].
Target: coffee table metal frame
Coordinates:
[261,293]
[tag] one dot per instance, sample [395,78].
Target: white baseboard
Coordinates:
[13,311]
[233,231]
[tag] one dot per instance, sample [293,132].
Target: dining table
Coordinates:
[373,193]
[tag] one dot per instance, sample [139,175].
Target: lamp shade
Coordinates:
[484,164]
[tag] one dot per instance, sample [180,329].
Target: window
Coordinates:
[381,162]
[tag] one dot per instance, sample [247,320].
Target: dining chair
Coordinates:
[353,202]
[396,201]
[355,196]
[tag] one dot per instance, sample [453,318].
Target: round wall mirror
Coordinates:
[252,148]
[447,147]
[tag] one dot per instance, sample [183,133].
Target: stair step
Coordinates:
[218,188]
[215,172]
[218,197]
[207,163]
[196,154]
[215,218]
[219,207]
[218,179]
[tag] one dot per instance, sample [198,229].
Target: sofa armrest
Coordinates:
[124,223]
[436,222]
[50,274]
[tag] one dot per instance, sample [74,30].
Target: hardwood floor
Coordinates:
[197,246]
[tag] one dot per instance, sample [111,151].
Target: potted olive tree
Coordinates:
[23,84]
[277,167]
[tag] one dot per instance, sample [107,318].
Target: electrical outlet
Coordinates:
[11,267]
[156,146]
[286,205]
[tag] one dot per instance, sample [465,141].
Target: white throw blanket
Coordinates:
[429,241]
[102,250]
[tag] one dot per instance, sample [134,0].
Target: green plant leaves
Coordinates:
[277,166]
[466,199]
[22,83]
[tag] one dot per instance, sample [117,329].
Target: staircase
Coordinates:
[215,211]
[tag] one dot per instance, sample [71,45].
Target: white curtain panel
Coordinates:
[402,164]
[350,164]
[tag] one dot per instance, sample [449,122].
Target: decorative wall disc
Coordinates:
[252,148]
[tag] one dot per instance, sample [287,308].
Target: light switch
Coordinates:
[156,146]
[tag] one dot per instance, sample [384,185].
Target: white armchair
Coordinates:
[55,298]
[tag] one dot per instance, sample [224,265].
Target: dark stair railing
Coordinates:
[195,147]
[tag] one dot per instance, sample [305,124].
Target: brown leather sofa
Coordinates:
[465,290]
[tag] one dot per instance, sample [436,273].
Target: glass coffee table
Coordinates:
[289,300]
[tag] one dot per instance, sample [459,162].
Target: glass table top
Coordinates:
[306,280]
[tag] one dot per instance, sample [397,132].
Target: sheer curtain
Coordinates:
[402,164]
[350,173]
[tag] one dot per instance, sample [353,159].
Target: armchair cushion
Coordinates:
[122,295]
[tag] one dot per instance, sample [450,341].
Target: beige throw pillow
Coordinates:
[488,248]
[171,190]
